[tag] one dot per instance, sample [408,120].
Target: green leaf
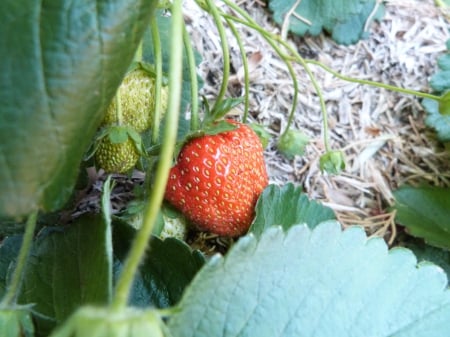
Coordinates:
[439,122]
[320,282]
[444,62]
[217,127]
[164,274]
[425,212]
[60,68]
[68,266]
[9,250]
[285,207]
[428,253]
[440,81]
[263,135]
[343,19]
[222,108]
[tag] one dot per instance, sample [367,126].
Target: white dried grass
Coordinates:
[382,133]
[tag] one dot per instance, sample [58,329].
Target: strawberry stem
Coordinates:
[271,39]
[158,81]
[225,51]
[195,121]
[374,83]
[16,279]
[141,240]
[245,67]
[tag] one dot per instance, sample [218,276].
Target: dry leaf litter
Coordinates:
[382,133]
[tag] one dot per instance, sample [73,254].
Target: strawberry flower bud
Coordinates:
[332,162]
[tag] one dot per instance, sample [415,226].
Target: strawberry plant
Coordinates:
[93,83]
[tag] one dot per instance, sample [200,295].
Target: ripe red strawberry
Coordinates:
[217,180]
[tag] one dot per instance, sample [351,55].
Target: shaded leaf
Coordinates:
[166,271]
[287,206]
[428,253]
[440,81]
[9,250]
[222,108]
[343,19]
[320,282]
[16,322]
[425,212]
[439,122]
[444,62]
[68,267]
[263,135]
[54,91]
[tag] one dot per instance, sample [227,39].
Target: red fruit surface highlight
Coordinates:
[217,180]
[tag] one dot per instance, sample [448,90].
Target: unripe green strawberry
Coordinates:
[104,322]
[137,93]
[116,157]
[174,227]
[16,322]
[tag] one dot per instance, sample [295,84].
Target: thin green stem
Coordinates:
[271,40]
[225,51]
[195,120]
[16,279]
[158,81]
[245,67]
[141,240]
[319,92]
[374,83]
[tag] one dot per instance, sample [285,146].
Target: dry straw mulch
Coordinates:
[382,133]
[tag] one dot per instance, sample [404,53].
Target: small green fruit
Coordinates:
[174,227]
[332,162]
[104,322]
[116,157]
[16,322]
[292,143]
[137,94]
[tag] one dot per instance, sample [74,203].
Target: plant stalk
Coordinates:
[137,251]
[158,81]
[245,67]
[195,120]
[373,83]
[225,51]
[17,277]
[271,40]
